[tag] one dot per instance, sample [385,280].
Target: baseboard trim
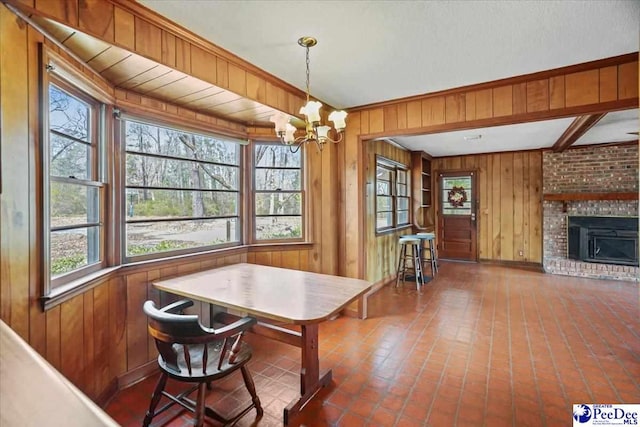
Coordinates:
[534,266]
[360,309]
[107,394]
[137,374]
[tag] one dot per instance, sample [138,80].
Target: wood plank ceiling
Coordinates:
[133,72]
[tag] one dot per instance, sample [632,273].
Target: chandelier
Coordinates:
[315,131]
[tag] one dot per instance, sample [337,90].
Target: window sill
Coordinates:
[393,230]
[77,287]
[291,246]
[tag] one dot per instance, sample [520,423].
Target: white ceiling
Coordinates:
[370,51]
[613,127]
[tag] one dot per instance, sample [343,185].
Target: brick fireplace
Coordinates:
[599,169]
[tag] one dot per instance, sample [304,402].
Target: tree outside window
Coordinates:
[278,195]
[392,195]
[182,190]
[74,190]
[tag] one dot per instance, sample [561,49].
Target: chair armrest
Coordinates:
[234,328]
[177,306]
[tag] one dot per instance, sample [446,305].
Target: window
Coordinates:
[392,195]
[73,184]
[402,199]
[456,195]
[278,195]
[181,190]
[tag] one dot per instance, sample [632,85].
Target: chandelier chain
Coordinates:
[308,73]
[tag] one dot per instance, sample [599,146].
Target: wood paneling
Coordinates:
[169,49]
[14,205]
[96,16]
[137,342]
[608,84]
[65,11]
[570,91]
[582,88]
[72,345]
[183,56]
[628,80]
[502,101]
[483,104]
[37,319]
[103,325]
[519,100]
[556,92]
[537,95]
[124,29]
[509,211]
[391,117]
[203,65]
[148,39]
[455,108]
[414,114]
[381,250]
[433,111]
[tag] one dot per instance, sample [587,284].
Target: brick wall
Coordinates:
[586,170]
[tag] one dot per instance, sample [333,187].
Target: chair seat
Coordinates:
[212,372]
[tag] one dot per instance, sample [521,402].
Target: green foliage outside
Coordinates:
[163,246]
[64,265]
[289,233]
[174,204]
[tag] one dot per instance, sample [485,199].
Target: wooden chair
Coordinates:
[192,353]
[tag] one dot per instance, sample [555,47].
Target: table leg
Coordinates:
[310,379]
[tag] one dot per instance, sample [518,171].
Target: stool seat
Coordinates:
[412,258]
[431,250]
[409,241]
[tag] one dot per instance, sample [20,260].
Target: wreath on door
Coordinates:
[457,196]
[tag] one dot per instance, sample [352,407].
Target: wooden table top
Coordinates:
[289,296]
[33,393]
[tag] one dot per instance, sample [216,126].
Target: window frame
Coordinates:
[394,168]
[59,74]
[144,119]
[254,191]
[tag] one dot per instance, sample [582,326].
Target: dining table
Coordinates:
[278,298]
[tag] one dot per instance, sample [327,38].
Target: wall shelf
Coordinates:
[565,197]
[569,197]
[421,193]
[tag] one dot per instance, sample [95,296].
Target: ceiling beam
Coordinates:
[575,130]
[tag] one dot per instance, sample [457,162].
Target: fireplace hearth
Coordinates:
[606,240]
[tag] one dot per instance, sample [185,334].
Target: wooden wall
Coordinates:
[99,337]
[594,87]
[102,330]
[381,251]
[510,203]
[129,25]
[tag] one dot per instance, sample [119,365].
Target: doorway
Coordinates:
[457,219]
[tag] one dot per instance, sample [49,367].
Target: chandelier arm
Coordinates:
[297,147]
[335,141]
[315,130]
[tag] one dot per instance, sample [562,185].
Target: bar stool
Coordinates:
[414,259]
[431,250]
